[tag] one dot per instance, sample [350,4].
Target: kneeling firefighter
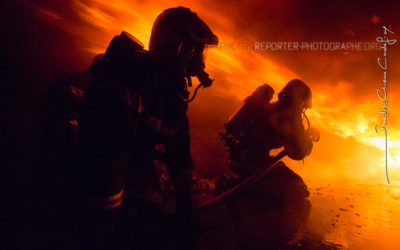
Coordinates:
[270,204]
[138,99]
[259,126]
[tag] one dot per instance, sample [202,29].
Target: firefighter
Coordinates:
[138,99]
[178,43]
[275,207]
[259,126]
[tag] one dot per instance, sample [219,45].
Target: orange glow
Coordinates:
[336,112]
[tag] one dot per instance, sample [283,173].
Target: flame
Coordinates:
[335,110]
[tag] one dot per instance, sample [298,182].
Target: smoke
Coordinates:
[57,36]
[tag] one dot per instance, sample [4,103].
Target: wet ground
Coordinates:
[363,216]
[341,216]
[345,216]
[334,216]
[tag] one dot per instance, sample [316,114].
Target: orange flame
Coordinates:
[242,70]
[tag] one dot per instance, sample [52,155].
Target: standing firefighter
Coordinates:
[178,43]
[138,99]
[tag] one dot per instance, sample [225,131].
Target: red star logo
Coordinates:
[375,19]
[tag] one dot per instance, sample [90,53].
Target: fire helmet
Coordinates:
[180,37]
[296,92]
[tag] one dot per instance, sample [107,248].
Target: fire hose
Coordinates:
[252,179]
[234,191]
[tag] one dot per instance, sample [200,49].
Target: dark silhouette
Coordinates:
[274,207]
[138,99]
[259,126]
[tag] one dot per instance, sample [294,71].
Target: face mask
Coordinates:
[195,66]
